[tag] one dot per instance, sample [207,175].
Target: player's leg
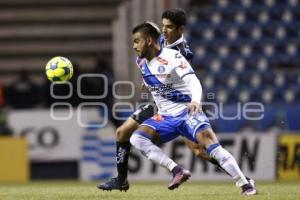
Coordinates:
[200,152]
[197,128]
[197,150]
[144,139]
[123,147]
[207,138]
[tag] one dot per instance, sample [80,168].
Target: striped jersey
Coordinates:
[163,77]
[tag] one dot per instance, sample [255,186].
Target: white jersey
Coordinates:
[163,78]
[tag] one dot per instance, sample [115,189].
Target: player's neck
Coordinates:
[171,42]
[175,41]
[153,53]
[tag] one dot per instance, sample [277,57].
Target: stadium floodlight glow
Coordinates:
[61,96]
[101,96]
[67,117]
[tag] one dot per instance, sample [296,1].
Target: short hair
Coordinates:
[176,15]
[148,28]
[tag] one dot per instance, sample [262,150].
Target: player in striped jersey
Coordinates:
[173,22]
[177,93]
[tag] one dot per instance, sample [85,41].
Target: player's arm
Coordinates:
[196,91]
[184,49]
[187,74]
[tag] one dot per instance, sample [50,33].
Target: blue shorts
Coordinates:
[186,125]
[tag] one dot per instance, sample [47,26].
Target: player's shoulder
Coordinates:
[184,49]
[168,56]
[166,52]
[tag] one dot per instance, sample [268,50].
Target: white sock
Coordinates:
[228,163]
[151,151]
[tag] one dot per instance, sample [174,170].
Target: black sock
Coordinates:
[122,154]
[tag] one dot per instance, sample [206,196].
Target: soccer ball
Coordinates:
[59,69]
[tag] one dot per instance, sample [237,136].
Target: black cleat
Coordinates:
[114,184]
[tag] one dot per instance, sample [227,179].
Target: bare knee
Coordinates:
[201,153]
[122,134]
[197,149]
[207,137]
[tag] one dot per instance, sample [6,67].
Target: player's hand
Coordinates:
[194,108]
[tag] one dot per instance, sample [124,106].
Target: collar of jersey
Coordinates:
[159,52]
[180,40]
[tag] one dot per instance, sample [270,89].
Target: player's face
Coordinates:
[170,31]
[140,44]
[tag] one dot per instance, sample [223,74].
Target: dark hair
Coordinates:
[176,15]
[147,28]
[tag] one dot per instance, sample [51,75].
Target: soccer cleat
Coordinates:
[248,190]
[251,181]
[114,184]
[179,178]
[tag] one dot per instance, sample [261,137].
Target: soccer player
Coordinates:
[173,23]
[177,95]
[173,27]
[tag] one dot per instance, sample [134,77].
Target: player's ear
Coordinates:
[149,41]
[181,29]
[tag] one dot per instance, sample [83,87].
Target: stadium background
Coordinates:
[245,51]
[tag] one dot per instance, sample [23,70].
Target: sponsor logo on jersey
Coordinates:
[183,65]
[161,60]
[161,89]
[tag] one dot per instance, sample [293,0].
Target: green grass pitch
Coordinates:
[71,190]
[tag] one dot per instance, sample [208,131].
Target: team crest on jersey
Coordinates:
[161,69]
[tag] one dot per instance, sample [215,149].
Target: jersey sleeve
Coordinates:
[185,51]
[182,66]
